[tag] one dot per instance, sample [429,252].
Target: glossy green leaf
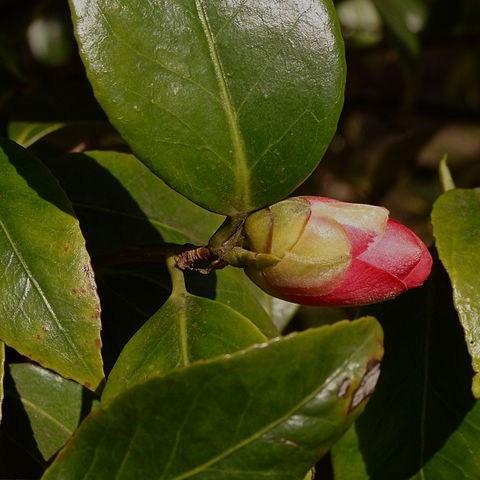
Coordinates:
[186,329]
[456,226]
[121,204]
[54,406]
[131,294]
[232,103]
[270,411]
[49,308]
[27,133]
[422,422]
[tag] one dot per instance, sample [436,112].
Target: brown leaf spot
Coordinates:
[367,384]
[98,343]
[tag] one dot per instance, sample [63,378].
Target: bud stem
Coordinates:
[228,236]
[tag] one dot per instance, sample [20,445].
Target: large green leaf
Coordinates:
[456,223]
[53,405]
[422,422]
[232,103]
[270,411]
[186,329]
[49,309]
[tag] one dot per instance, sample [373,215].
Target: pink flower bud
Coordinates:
[334,253]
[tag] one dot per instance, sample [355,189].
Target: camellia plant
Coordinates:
[146,291]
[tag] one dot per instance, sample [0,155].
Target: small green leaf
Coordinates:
[422,422]
[232,103]
[272,410]
[49,308]
[456,226]
[186,329]
[53,405]
[27,133]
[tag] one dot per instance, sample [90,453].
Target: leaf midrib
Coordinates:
[181,302]
[242,177]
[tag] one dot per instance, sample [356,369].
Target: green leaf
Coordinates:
[456,223]
[232,103]
[54,406]
[186,329]
[126,205]
[49,308]
[272,410]
[27,133]
[422,422]
[134,293]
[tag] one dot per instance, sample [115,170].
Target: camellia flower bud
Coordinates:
[334,253]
